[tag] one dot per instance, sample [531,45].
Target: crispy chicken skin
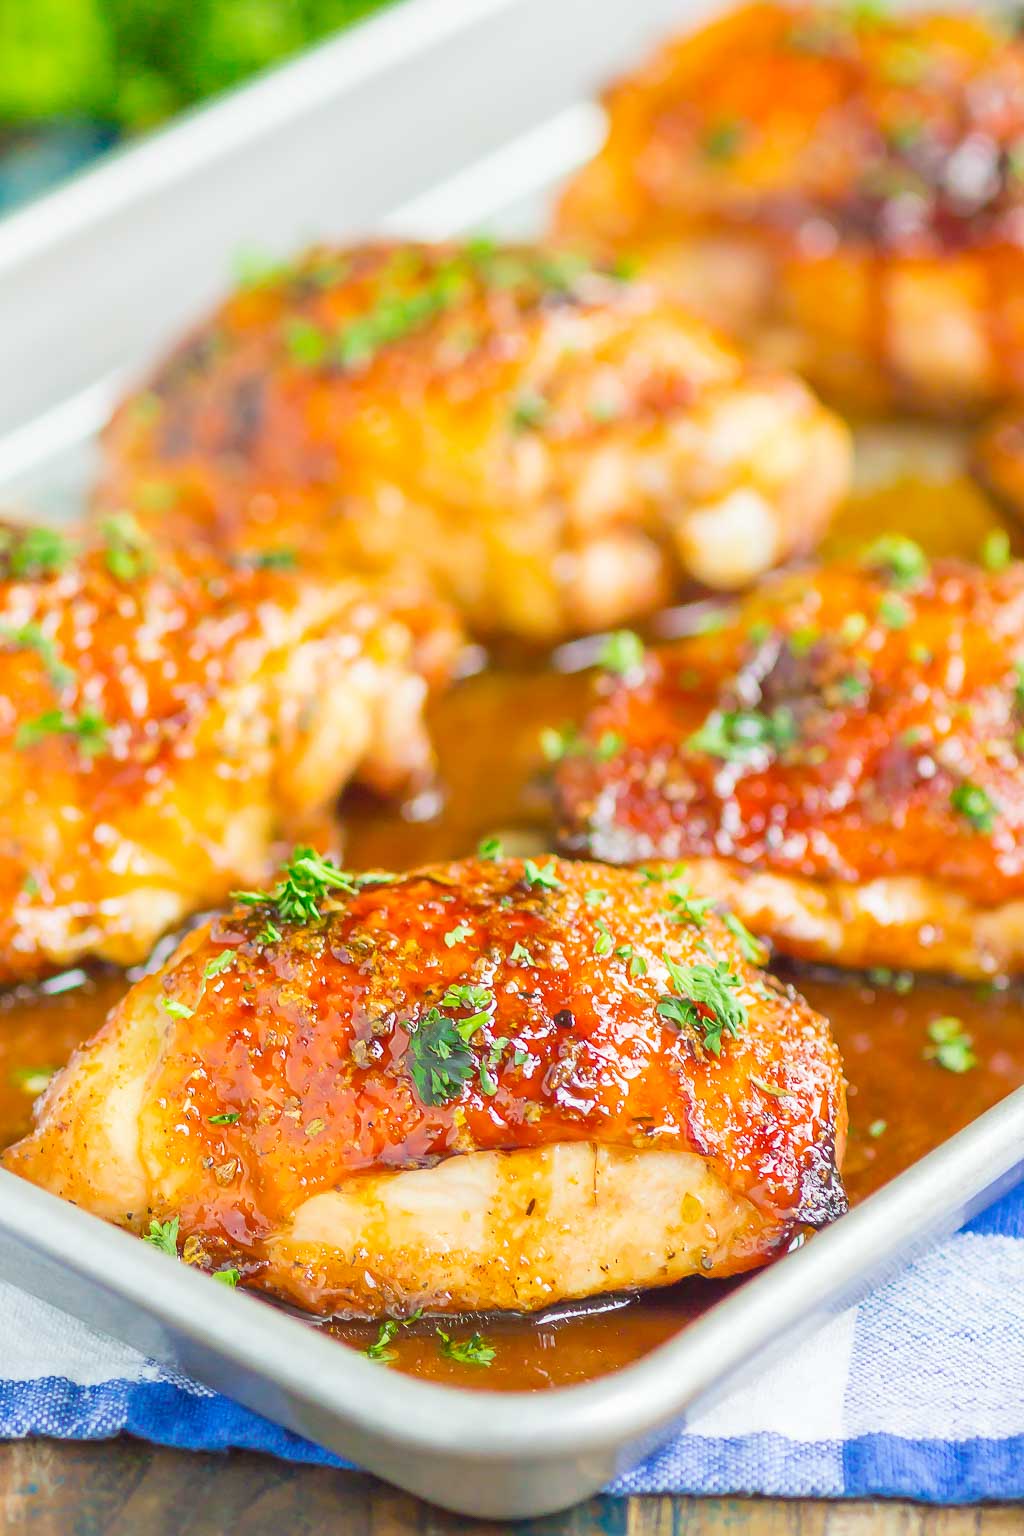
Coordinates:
[843,185]
[840,762]
[457,1090]
[163,720]
[557,446]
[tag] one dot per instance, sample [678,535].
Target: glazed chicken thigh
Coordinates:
[841,184]
[489,1084]
[554,444]
[164,719]
[839,761]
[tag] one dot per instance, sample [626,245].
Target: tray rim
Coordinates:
[619,1416]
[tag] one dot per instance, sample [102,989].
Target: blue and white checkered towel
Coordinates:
[917,1391]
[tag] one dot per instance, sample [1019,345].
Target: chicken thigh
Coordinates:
[842,184]
[163,720]
[840,762]
[555,445]
[489,1084]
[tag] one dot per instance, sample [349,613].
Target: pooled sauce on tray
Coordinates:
[486,729]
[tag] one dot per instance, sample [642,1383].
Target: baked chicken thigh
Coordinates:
[490,1084]
[554,444]
[840,762]
[162,721]
[841,183]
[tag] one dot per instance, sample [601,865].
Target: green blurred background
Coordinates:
[77,75]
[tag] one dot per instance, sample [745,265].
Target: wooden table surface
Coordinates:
[124,1488]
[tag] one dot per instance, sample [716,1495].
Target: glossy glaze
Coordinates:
[163,717]
[843,183]
[895,693]
[557,445]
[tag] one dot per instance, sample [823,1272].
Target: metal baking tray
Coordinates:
[436,117]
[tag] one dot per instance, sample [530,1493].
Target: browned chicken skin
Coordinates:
[555,445]
[488,1084]
[842,185]
[840,762]
[163,718]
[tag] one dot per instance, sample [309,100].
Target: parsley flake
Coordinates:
[440,1063]
[622,653]
[176,1009]
[472,1351]
[951,1045]
[751,947]
[995,550]
[706,1000]
[739,734]
[457,935]
[164,1236]
[380,1349]
[490,848]
[520,955]
[900,559]
[545,878]
[228,1118]
[975,805]
[89,730]
[29,637]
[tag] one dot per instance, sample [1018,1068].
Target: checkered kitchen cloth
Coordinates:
[918,1391]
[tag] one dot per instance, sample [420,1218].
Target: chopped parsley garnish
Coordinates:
[622,653]
[851,688]
[219,964]
[457,935]
[270,933]
[380,1349]
[853,628]
[752,948]
[901,982]
[440,1063]
[707,1000]
[306,344]
[877,1128]
[467,995]
[472,1351]
[902,560]
[722,139]
[951,1045]
[176,1009]
[688,908]
[604,943]
[226,1119]
[545,878]
[306,880]
[595,897]
[975,805]
[529,412]
[29,637]
[490,848]
[488,1081]
[88,728]
[637,963]
[164,1236]
[995,550]
[520,955]
[284,558]
[737,734]
[127,552]
[228,1277]
[33,552]
[32,1080]
[893,611]
[558,742]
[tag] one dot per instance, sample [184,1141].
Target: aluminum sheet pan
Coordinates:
[438,116]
